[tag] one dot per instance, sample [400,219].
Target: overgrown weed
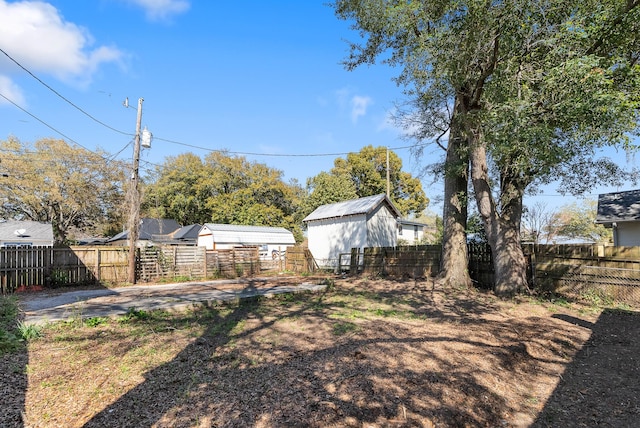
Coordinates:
[10,338]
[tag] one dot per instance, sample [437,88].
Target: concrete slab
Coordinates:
[43,308]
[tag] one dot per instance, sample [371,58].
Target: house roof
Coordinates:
[247,235]
[148,228]
[359,206]
[183,235]
[406,221]
[187,232]
[618,207]
[34,231]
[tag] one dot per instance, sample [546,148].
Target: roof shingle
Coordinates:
[618,207]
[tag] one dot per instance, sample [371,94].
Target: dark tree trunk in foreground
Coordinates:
[502,224]
[454,266]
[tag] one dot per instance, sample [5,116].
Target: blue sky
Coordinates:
[251,77]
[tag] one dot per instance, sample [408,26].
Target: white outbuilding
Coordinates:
[335,229]
[270,240]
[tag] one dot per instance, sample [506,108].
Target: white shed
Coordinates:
[226,236]
[335,229]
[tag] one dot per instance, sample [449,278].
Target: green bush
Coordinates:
[29,332]
[135,314]
[9,338]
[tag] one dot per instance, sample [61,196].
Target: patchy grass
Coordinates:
[363,353]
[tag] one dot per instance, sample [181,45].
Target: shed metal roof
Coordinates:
[248,235]
[359,206]
[618,207]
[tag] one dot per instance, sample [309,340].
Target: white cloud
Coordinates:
[11,91]
[37,36]
[356,105]
[157,10]
[359,105]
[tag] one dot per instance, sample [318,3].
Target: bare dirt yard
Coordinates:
[363,353]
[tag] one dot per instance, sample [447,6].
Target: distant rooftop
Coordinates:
[148,228]
[618,207]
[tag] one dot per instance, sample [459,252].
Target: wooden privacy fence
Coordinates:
[171,262]
[300,260]
[419,261]
[413,261]
[233,263]
[595,271]
[51,267]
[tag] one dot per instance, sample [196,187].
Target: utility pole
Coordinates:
[134,213]
[388,179]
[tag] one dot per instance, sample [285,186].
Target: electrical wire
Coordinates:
[290,155]
[106,159]
[113,157]
[62,96]
[46,124]
[284,155]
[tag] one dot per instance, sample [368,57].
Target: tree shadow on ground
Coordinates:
[56,283]
[348,377]
[601,386]
[13,387]
[172,383]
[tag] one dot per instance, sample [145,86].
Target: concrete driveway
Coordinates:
[43,307]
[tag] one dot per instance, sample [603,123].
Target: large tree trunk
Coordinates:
[502,224]
[454,264]
[509,262]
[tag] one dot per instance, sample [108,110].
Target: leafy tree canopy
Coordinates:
[528,89]
[327,188]
[579,221]
[222,189]
[365,174]
[76,190]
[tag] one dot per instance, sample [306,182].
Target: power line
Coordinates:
[62,96]
[46,124]
[290,155]
[284,155]
[107,160]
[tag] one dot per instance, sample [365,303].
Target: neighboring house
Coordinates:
[411,231]
[621,212]
[335,229]
[187,235]
[271,241]
[25,234]
[149,227]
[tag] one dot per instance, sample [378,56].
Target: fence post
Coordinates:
[98,261]
[353,268]
[49,259]
[203,251]
[233,262]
